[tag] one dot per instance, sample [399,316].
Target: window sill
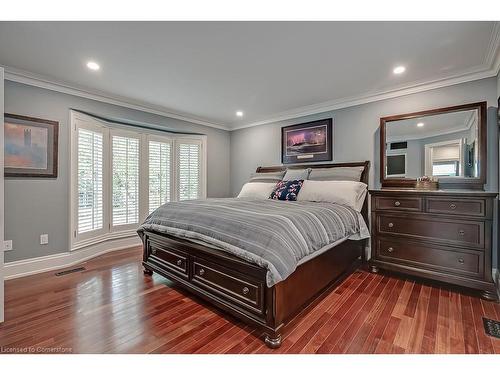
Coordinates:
[78,245]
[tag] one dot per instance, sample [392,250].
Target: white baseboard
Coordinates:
[27,267]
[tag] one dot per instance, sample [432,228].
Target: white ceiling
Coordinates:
[270,70]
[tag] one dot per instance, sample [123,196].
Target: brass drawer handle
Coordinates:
[461,260]
[390,225]
[453,206]
[397,203]
[461,232]
[390,249]
[202,272]
[179,262]
[245,290]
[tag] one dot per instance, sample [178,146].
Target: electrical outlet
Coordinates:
[44,239]
[7,245]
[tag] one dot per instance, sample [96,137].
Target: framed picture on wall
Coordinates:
[307,142]
[30,146]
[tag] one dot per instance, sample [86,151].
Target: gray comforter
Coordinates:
[273,234]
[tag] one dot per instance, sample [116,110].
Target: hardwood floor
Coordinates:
[111,307]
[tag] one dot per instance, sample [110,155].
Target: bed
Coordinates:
[248,287]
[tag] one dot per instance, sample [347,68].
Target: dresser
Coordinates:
[443,235]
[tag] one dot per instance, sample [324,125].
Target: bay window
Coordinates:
[120,175]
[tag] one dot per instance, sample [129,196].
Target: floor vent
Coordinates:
[62,273]
[492,327]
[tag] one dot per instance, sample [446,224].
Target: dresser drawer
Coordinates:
[222,281]
[457,232]
[172,259]
[397,203]
[460,207]
[430,257]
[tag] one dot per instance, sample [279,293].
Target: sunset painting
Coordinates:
[26,146]
[307,142]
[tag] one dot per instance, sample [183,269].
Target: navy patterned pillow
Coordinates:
[287,190]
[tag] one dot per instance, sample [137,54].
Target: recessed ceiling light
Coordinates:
[92,65]
[420,124]
[399,69]
[239,113]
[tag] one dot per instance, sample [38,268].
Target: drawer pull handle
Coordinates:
[461,232]
[245,290]
[390,225]
[397,203]
[461,260]
[390,249]
[202,272]
[153,251]
[453,206]
[179,262]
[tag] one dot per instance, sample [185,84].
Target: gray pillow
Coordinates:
[336,174]
[297,174]
[267,176]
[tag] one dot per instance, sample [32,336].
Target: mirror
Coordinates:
[447,144]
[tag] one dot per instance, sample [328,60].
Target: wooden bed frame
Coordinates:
[239,288]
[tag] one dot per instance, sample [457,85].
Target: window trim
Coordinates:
[429,158]
[76,123]
[108,232]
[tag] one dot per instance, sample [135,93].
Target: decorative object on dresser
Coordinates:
[240,287]
[30,146]
[427,183]
[307,142]
[440,235]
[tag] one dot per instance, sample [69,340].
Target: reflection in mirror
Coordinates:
[441,145]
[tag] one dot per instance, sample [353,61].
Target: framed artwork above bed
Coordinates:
[307,142]
[30,146]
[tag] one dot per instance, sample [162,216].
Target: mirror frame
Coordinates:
[444,182]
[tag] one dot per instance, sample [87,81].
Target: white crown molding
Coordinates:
[27,267]
[492,57]
[31,79]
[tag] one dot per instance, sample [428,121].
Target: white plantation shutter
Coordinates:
[125,181]
[90,180]
[160,164]
[189,167]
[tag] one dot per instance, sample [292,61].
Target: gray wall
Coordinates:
[356,134]
[36,206]
[414,155]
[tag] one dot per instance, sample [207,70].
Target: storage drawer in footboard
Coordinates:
[241,289]
[167,257]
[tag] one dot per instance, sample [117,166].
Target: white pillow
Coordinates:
[349,193]
[257,190]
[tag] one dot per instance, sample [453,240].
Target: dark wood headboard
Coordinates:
[364,175]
